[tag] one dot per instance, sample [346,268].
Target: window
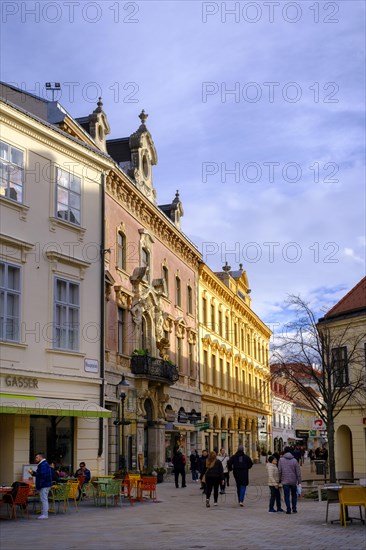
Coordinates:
[340,366]
[248,345]
[68,197]
[121,321]
[166,279]
[227,328]
[204,311]
[220,323]
[67,315]
[189,300]
[228,381]
[178,294]
[9,302]
[221,381]
[213,317]
[213,370]
[191,362]
[236,334]
[11,172]
[178,359]
[275,419]
[121,250]
[205,367]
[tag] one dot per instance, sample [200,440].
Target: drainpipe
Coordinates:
[102,313]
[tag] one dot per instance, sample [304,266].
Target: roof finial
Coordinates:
[143,116]
[241,267]
[226,267]
[99,108]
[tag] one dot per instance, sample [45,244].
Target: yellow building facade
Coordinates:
[234,365]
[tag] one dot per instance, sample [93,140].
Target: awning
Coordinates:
[24,404]
[176,427]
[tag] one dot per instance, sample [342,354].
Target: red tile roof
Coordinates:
[355,299]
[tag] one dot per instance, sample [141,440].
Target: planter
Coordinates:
[160,478]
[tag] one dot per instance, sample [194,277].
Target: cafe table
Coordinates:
[99,489]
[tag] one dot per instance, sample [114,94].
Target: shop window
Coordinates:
[53,435]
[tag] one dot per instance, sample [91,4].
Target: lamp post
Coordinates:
[122,395]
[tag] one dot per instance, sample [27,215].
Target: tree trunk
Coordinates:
[331,446]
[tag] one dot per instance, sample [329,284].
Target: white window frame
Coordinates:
[15,294]
[11,168]
[70,193]
[72,331]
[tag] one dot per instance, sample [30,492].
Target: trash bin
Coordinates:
[320,467]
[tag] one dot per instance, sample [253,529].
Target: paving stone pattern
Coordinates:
[181,521]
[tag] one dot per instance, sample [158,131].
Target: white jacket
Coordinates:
[224,460]
[273,474]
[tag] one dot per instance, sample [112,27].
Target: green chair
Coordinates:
[112,490]
[58,494]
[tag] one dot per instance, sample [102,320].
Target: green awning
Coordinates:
[27,405]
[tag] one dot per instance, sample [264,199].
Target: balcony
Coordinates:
[154,369]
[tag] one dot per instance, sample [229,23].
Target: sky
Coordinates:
[256,109]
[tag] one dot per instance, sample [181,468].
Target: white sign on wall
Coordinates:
[91,365]
[318,424]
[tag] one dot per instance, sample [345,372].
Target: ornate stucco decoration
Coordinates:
[123,297]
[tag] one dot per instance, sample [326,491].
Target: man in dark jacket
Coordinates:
[179,462]
[240,464]
[43,477]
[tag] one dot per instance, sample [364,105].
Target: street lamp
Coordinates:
[122,423]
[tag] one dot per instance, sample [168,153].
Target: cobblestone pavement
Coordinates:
[180,521]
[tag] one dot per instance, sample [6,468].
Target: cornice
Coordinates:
[231,300]
[128,196]
[51,137]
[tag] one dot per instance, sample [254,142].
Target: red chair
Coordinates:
[148,485]
[21,500]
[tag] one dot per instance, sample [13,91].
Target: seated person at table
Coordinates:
[83,472]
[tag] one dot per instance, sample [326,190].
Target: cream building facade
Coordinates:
[235,375]
[51,380]
[346,322]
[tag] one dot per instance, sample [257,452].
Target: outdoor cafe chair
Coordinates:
[352,496]
[58,494]
[74,489]
[148,485]
[131,487]
[20,500]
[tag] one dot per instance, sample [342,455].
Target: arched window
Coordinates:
[166,278]
[189,300]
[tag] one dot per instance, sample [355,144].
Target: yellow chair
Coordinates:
[352,496]
[73,492]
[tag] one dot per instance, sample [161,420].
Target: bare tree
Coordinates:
[310,356]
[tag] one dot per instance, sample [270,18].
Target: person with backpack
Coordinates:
[240,464]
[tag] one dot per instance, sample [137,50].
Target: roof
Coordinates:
[353,301]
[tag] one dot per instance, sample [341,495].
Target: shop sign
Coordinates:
[318,424]
[21,382]
[91,365]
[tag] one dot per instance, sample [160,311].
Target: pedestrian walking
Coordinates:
[43,477]
[214,476]
[240,464]
[290,477]
[202,467]
[224,459]
[194,461]
[273,484]
[179,462]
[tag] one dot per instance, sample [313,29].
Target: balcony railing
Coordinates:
[155,369]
